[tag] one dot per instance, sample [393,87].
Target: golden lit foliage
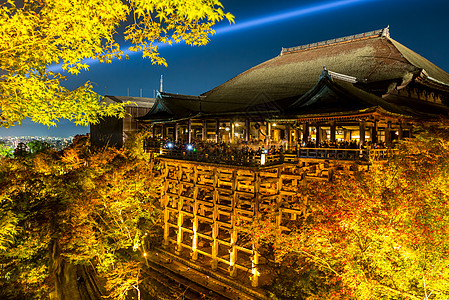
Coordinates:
[96,208]
[381,235]
[36,34]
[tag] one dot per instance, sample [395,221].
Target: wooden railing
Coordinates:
[334,153]
[238,157]
[232,158]
[382,154]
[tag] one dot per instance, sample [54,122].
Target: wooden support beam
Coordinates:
[176,131]
[180,233]
[233,253]
[180,220]
[195,228]
[234,229]
[189,128]
[215,227]
[374,132]
[217,130]
[317,136]
[166,226]
[333,131]
[204,131]
[254,267]
[233,139]
[388,134]
[362,133]
[305,134]
[268,134]
[247,129]
[163,131]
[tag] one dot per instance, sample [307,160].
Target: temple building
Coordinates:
[245,149]
[113,131]
[366,88]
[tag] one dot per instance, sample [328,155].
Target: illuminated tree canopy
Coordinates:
[76,214]
[38,33]
[381,235]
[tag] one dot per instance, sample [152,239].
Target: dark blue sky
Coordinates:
[420,25]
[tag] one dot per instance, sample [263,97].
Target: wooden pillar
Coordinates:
[388,134]
[247,129]
[189,129]
[296,137]
[233,253]
[176,131]
[288,135]
[374,132]
[305,134]
[234,230]
[268,134]
[254,267]
[153,130]
[256,194]
[255,254]
[195,223]
[180,233]
[317,136]
[215,227]
[400,132]
[180,214]
[362,133]
[217,130]
[204,131]
[166,226]
[233,139]
[333,131]
[163,131]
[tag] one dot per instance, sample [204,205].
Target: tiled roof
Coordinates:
[135,101]
[371,59]
[173,106]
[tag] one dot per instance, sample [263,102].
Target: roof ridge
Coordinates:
[385,32]
[174,95]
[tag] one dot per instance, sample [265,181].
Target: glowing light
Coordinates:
[227,128]
[274,124]
[144,254]
[283,16]
[189,147]
[170,145]
[265,20]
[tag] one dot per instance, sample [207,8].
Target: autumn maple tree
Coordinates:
[35,34]
[383,234]
[76,223]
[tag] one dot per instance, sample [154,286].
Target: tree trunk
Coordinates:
[74,282]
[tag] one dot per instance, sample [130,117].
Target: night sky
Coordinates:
[261,29]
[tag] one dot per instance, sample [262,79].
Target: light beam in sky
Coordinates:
[283,16]
[265,20]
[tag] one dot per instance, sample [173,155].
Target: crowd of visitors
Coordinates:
[247,152]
